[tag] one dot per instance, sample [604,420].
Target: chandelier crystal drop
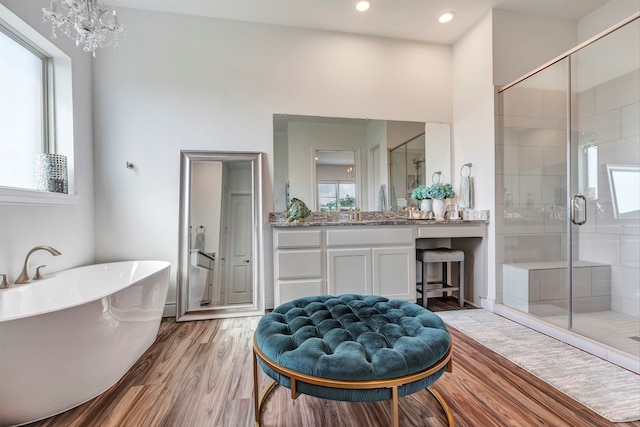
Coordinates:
[85,21]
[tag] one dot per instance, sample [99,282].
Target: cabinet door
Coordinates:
[394,273]
[349,271]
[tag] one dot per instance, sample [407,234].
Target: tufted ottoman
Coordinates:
[351,348]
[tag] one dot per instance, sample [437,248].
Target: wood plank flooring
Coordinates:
[199,374]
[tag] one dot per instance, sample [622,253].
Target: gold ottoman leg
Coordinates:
[442,403]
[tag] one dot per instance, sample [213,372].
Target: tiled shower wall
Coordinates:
[610,113]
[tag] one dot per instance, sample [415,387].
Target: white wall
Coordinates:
[522,43]
[208,84]
[473,129]
[68,229]
[605,17]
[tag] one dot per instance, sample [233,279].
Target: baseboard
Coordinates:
[487,304]
[169,310]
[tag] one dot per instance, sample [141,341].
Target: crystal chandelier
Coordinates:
[350,172]
[93,28]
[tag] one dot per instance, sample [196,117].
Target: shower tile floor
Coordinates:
[609,327]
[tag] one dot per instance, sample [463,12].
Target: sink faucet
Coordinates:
[24,275]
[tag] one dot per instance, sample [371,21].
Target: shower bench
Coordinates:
[534,287]
[352,348]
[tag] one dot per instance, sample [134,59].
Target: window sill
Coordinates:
[26,197]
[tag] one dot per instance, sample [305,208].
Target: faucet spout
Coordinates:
[24,275]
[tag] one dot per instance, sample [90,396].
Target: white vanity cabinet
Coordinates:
[375,258]
[298,263]
[371,260]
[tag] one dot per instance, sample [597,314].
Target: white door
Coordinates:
[239,286]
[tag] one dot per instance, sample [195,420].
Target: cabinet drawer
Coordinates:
[291,289]
[297,239]
[372,236]
[451,231]
[298,264]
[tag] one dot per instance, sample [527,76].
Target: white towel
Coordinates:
[466,193]
[392,197]
[382,198]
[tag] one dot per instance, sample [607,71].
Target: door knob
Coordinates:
[245,260]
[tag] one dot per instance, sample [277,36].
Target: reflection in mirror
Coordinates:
[219,211]
[298,139]
[407,171]
[336,180]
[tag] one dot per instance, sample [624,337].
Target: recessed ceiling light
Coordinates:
[363,5]
[446,17]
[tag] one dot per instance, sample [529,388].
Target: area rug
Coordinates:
[607,389]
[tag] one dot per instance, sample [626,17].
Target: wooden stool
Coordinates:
[444,256]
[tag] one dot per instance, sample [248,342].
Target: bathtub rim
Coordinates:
[163,265]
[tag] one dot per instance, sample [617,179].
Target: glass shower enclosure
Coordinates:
[406,171]
[568,191]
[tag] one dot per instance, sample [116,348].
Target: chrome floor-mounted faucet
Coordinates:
[24,275]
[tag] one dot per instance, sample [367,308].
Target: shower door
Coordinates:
[568,192]
[605,190]
[532,216]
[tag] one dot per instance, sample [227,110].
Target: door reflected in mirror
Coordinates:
[220,199]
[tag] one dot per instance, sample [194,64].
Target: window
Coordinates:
[336,195]
[36,111]
[23,110]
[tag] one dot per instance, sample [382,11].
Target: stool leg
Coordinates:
[424,284]
[419,286]
[461,283]
[445,279]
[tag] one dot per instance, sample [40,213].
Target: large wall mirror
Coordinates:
[220,208]
[336,163]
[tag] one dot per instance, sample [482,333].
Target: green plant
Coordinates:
[347,201]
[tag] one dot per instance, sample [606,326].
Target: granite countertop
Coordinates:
[277,219]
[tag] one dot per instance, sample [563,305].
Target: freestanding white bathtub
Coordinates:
[69,337]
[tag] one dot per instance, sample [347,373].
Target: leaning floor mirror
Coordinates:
[220,217]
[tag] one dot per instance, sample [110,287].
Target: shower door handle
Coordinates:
[576,201]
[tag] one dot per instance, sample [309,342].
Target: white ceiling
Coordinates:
[404,19]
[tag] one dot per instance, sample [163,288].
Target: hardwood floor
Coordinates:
[200,374]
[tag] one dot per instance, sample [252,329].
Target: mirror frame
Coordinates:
[187,158]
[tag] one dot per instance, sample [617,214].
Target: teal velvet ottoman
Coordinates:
[352,348]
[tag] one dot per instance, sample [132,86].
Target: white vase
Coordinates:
[425,205]
[438,209]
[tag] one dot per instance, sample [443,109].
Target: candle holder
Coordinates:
[51,173]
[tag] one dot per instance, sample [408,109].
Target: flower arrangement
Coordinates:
[435,191]
[441,191]
[420,193]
